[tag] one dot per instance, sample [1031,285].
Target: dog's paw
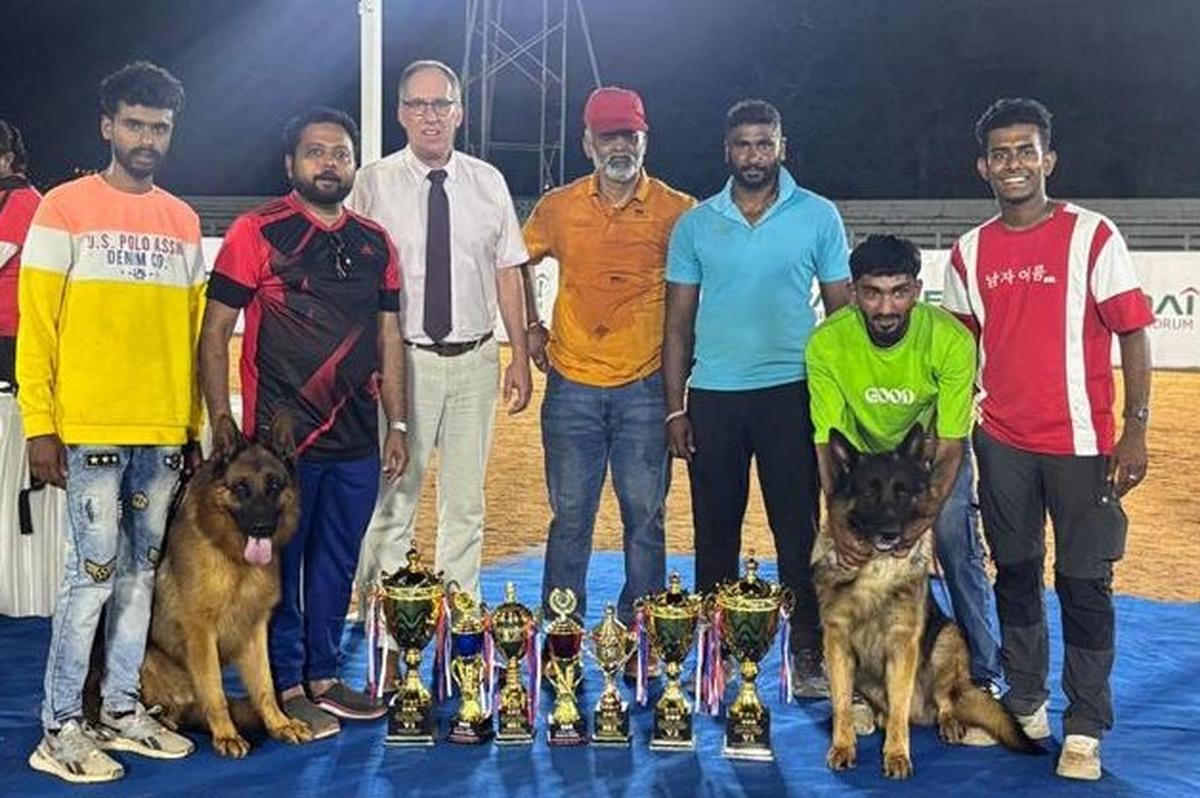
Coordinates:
[840,757]
[291,731]
[897,765]
[951,729]
[231,745]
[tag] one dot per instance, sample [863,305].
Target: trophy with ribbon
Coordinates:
[469,643]
[564,642]
[746,615]
[514,630]
[611,647]
[413,606]
[670,619]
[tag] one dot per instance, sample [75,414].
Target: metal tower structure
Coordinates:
[515,59]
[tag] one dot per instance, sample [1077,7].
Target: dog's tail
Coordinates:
[243,714]
[975,706]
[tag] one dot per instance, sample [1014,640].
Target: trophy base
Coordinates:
[611,732]
[514,731]
[466,733]
[405,730]
[672,745]
[749,740]
[748,753]
[566,734]
[672,735]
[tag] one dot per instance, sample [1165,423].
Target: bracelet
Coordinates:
[398,426]
[534,323]
[674,414]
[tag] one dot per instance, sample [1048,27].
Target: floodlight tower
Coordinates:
[523,52]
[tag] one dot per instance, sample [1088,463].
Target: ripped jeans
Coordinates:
[117,503]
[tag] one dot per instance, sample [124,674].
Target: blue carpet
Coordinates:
[1151,751]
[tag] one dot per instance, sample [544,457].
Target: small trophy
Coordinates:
[564,639]
[611,647]
[671,617]
[749,617]
[512,627]
[468,619]
[412,609]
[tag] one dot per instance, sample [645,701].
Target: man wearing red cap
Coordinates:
[603,353]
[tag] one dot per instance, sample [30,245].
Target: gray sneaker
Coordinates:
[323,725]
[341,701]
[71,754]
[138,732]
[808,675]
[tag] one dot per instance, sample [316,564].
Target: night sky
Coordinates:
[878,96]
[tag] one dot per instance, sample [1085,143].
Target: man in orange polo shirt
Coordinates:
[604,400]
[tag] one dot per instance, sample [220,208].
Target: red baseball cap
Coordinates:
[611,108]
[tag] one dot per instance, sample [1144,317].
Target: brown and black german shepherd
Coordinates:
[216,587]
[884,635]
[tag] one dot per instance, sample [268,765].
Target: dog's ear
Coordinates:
[283,437]
[227,439]
[913,445]
[842,454]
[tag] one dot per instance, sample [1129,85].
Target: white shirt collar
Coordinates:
[422,169]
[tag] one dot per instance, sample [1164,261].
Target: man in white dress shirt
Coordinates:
[456,231]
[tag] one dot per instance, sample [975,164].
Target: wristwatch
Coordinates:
[399,426]
[1140,414]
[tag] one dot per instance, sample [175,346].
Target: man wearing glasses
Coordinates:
[459,240]
[321,291]
[877,367]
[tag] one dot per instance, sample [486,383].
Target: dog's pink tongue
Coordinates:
[258,551]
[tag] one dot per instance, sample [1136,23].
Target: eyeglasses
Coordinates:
[339,258]
[440,107]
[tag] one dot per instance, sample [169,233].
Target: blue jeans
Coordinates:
[960,551]
[117,503]
[584,430]
[317,568]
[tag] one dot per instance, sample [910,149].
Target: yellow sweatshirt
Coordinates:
[111,293]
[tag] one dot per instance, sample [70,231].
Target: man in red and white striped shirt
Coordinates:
[1045,285]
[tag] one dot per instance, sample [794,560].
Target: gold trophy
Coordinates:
[472,725]
[512,623]
[412,609]
[564,641]
[749,617]
[611,647]
[671,617]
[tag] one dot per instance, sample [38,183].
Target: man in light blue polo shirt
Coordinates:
[740,270]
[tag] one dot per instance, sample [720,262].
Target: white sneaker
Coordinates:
[139,733]
[1037,725]
[1080,758]
[862,716]
[71,754]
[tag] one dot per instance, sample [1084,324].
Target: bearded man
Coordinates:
[320,286]
[603,351]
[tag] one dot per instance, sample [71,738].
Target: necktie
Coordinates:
[437,259]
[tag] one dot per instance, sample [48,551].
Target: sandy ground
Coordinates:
[1162,557]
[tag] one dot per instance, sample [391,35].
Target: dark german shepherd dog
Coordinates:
[217,585]
[884,636]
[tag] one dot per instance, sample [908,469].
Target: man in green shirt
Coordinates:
[877,367]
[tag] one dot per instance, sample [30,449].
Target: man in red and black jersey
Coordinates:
[320,288]
[18,201]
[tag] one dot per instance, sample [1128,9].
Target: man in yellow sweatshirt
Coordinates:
[111,290]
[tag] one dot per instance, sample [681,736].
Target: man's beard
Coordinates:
[767,176]
[125,158]
[621,168]
[886,338]
[322,196]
